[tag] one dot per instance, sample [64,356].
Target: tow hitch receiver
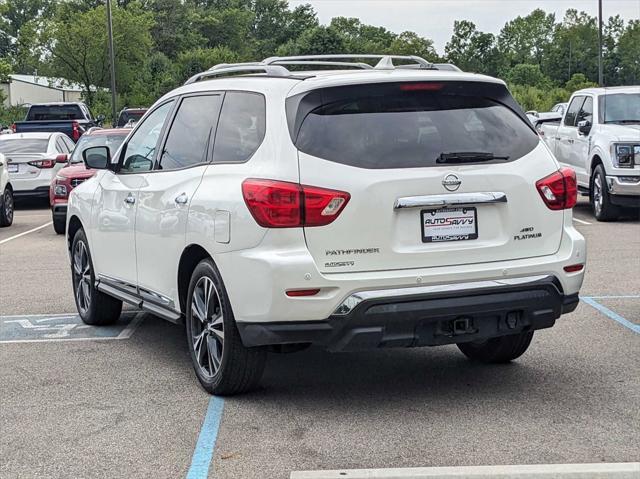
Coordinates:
[456,327]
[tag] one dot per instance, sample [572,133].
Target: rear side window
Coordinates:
[572,112]
[24,146]
[241,128]
[54,112]
[191,132]
[412,125]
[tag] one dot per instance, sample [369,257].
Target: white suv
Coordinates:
[351,209]
[6,194]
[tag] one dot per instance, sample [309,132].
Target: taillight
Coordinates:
[280,204]
[559,190]
[13,127]
[43,163]
[426,86]
[299,293]
[75,131]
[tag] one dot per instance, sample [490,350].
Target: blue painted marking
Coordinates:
[203,452]
[612,314]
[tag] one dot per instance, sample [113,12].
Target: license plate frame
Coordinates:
[450,236]
[13,168]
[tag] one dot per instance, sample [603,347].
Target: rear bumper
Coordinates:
[422,317]
[38,192]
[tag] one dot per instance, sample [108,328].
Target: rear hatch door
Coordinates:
[439,174]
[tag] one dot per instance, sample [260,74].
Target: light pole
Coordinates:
[600,71]
[112,61]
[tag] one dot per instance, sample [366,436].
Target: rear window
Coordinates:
[23,146]
[129,115]
[54,112]
[410,125]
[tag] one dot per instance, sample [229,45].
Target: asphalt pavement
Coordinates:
[76,402]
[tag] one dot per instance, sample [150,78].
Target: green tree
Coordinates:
[410,43]
[526,39]
[316,41]
[192,62]
[78,47]
[528,75]
[472,50]
[629,51]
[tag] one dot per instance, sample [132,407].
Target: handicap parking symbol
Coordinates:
[63,327]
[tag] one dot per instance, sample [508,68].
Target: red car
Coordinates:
[76,172]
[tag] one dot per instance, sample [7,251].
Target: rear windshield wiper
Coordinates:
[468,157]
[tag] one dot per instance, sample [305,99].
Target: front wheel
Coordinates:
[498,350]
[223,365]
[95,308]
[6,208]
[601,204]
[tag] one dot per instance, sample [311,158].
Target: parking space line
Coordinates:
[581,221]
[26,232]
[611,314]
[624,296]
[131,327]
[203,452]
[620,470]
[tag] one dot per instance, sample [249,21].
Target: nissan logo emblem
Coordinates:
[451,182]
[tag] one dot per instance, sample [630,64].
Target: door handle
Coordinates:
[181,199]
[130,199]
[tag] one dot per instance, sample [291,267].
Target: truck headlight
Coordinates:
[60,190]
[625,155]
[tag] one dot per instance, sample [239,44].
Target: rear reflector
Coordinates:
[574,268]
[281,204]
[296,293]
[559,190]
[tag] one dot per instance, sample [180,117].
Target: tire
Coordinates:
[223,365]
[6,208]
[95,308]
[59,225]
[498,350]
[601,205]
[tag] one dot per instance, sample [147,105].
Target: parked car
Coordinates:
[128,117]
[72,119]
[559,108]
[33,159]
[6,194]
[599,137]
[355,209]
[75,172]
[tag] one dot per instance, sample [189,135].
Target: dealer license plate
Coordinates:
[449,224]
[12,168]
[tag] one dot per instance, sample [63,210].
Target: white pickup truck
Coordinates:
[599,137]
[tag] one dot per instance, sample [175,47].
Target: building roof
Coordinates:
[49,82]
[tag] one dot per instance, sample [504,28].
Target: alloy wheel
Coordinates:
[82,276]
[597,195]
[8,206]
[207,326]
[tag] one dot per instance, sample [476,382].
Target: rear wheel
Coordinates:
[6,208]
[498,350]
[94,307]
[601,204]
[221,362]
[59,225]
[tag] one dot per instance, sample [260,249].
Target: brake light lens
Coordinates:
[574,268]
[429,86]
[559,191]
[43,163]
[13,127]
[75,131]
[281,204]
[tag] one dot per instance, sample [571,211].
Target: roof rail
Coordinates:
[226,69]
[385,62]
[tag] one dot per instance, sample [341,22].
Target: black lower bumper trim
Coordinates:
[424,320]
[626,201]
[39,192]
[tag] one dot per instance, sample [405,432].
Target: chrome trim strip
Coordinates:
[455,199]
[157,298]
[356,298]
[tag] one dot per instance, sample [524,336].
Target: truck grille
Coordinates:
[75,182]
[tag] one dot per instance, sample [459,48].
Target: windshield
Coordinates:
[87,141]
[620,108]
[22,145]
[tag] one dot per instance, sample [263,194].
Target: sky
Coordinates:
[434,18]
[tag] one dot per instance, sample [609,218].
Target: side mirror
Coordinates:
[584,127]
[97,157]
[100,118]
[62,158]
